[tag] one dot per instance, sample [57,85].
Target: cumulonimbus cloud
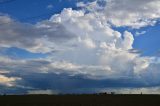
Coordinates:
[87,44]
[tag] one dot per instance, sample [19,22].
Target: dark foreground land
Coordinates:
[80,100]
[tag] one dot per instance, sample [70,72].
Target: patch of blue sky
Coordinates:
[35,10]
[148,42]
[18,53]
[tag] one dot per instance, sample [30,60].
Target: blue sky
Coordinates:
[28,8]
[149,42]
[79,45]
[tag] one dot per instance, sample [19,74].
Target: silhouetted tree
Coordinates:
[112,93]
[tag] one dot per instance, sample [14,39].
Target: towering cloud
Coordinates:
[85,42]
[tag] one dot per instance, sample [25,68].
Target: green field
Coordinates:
[80,100]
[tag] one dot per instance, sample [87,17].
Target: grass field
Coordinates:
[80,100]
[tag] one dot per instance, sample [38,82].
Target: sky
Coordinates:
[79,46]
